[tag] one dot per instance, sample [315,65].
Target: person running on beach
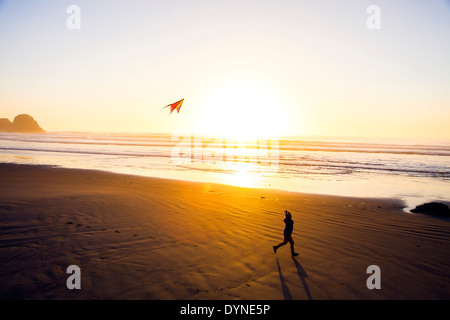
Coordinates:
[287,234]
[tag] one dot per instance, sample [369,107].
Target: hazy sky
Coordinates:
[280,67]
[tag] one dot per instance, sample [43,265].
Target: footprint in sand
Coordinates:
[179,284]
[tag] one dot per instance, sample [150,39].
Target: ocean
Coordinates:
[411,171]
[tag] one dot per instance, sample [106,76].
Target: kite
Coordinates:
[173,106]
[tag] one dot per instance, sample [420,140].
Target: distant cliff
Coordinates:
[21,123]
[5,124]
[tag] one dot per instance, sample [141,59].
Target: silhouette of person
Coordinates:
[287,234]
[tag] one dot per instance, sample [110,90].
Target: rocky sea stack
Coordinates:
[22,123]
[5,124]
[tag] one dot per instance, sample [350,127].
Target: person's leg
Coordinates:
[286,240]
[282,243]
[291,241]
[275,248]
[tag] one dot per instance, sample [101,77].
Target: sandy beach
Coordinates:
[146,238]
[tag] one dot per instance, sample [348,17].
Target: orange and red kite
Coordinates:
[173,106]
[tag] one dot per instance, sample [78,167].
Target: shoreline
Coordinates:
[136,237]
[335,167]
[406,202]
[255,188]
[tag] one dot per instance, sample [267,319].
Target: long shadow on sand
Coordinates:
[284,287]
[302,275]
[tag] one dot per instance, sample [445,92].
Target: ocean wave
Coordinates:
[164,140]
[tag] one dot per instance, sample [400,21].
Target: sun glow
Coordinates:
[243,175]
[242,110]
